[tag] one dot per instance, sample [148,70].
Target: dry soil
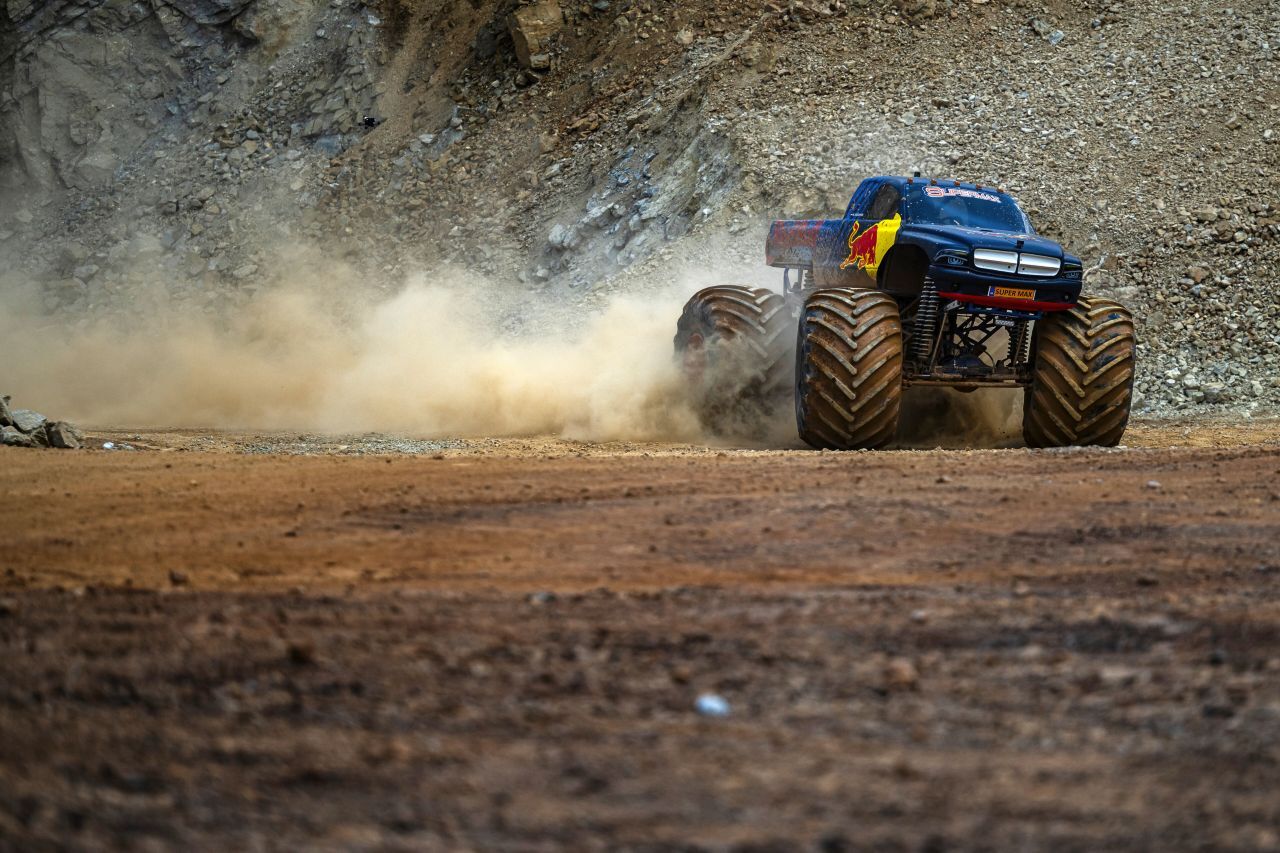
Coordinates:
[499,645]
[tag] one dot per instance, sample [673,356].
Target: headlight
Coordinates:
[952,258]
[1070,270]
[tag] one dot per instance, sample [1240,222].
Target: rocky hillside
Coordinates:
[578,148]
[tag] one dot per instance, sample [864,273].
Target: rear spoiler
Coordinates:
[793,243]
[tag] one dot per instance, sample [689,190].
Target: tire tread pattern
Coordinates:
[1082,377]
[849,369]
[751,316]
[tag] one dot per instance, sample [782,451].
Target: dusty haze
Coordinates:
[445,354]
[438,353]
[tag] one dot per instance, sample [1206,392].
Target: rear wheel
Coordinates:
[733,343]
[849,369]
[1082,377]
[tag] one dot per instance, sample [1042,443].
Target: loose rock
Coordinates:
[63,435]
[26,420]
[12,437]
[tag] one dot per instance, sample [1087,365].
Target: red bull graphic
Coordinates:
[862,247]
[868,248]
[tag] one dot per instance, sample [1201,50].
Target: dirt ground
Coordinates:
[235,641]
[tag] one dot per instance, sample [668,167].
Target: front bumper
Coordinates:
[1013,292]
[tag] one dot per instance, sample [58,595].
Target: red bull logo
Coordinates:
[862,247]
[867,248]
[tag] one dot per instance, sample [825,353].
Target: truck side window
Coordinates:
[862,197]
[886,203]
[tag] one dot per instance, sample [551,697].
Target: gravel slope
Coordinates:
[656,144]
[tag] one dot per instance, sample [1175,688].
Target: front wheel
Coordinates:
[1082,377]
[849,369]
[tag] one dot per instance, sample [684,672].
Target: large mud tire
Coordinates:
[734,344]
[849,369]
[1082,377]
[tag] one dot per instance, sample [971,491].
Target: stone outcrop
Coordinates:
[210,11]
[532,29]
[25,428]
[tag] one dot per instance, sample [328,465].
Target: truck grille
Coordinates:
[1012,262]
[1038,265]
[990,259]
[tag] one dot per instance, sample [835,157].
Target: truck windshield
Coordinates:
[982,209]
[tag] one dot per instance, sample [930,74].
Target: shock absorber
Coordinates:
[806,282]
[926,323]
[1019,341]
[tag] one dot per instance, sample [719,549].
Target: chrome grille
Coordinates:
[1013,262]
[990,259]
[1040,265]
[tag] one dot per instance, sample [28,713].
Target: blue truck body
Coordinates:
[973,243]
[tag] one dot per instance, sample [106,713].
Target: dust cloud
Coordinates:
[446,354]
[943,417]
[442,354]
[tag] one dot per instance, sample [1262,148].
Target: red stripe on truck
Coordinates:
[1015,304]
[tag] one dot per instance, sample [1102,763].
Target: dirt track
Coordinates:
[501,647]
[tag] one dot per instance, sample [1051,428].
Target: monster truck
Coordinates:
[921,283]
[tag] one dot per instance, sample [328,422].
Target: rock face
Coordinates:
[532,28]
[274,23]
[83,85]
[73,111]
[210,11]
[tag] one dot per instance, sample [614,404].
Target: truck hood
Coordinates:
[976,238]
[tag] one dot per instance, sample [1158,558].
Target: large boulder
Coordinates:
[26,420]
[532,28]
